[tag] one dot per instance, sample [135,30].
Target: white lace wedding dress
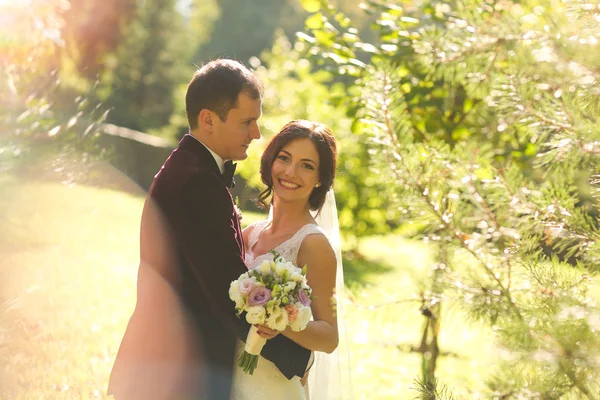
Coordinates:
[268,382]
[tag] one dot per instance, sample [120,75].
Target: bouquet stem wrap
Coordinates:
[254,344]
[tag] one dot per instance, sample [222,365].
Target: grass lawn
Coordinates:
[68,261]
[383,366]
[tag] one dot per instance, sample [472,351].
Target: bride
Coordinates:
[298,168]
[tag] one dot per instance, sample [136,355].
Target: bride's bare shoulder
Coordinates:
[316,247]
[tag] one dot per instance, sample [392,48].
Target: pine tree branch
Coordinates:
[584,278]
[589,148]
[467,113]
[431,389]
[389,130]
[547,216]
[549,119]
[460,237]
[567,112]
[528,108]
[383,305]
[480,199]
[581,386]
[483,46]
[492,64]
[560,54]
[555,124]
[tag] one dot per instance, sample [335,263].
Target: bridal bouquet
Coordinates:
[274,294]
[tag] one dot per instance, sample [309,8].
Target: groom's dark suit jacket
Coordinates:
[181,338]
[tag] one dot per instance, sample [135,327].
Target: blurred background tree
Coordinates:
[245,29]
[487,112]
[147,66]
[92,30]
[39,109]
[285,71]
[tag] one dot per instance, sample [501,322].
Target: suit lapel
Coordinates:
[189,143]
[239,238]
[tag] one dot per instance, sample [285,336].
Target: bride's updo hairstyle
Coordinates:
[325,143]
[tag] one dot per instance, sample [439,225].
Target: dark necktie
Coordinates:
[227,175]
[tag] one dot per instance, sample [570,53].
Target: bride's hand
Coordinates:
[304,379]
[266,332]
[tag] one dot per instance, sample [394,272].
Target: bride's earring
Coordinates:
[318,184]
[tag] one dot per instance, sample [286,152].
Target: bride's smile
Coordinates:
[295,170]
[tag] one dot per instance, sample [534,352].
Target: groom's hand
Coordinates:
[266,332]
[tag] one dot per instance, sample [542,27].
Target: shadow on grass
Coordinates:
[358,270]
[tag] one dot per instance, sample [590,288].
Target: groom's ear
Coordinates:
[206,118]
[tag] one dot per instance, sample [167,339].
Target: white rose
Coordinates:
[235,295]
[234,289]
[304,316]
[297,276]
[288,287]
[256,315]
[265,267]
[278,319]
[291,268]
[286,266]
[272,305]
[279,268]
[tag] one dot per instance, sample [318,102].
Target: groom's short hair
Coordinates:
[216,86]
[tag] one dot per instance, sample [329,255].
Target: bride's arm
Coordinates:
[322,333]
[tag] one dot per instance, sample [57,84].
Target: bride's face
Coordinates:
[295,171]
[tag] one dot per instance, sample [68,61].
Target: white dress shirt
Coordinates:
[218,158]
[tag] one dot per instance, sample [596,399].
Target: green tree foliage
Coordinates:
[147,67]
[32,123]
[244,30]
[485,115]
[92,29]
[293,90]
[199,17]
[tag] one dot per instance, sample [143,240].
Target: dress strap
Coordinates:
[289,250]
[257,228]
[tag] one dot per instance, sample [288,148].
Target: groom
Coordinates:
[181,338]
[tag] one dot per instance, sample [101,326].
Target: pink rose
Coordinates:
[292,312]
[246,285]
[258,296]
[303,297]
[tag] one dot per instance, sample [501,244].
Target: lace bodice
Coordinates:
[288,249]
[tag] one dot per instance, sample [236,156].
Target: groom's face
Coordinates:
[235,134]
